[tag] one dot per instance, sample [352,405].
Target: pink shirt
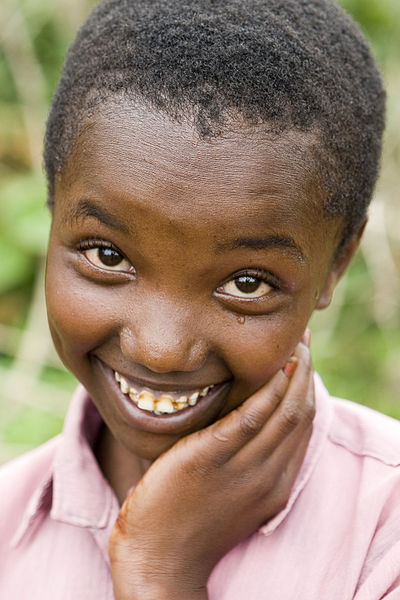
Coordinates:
[337,539]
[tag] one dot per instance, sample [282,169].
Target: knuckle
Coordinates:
[277,396]
[202,470]
[210,454]
[291,416]
[250,423]
[218,434]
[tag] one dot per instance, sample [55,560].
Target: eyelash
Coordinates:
[96,243]
[261,274]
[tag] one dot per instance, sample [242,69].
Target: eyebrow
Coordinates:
[87,208]
[263,243]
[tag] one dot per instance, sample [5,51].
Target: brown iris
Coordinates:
[247,284]
[110,257]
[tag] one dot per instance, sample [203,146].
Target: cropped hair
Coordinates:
[278,64]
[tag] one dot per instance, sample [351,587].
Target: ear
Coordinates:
[338,268]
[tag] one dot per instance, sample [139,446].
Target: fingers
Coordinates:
[299,399]
[230,433]
[294,414]
[268,416]
[277,473]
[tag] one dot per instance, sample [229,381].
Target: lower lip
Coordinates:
[192,418]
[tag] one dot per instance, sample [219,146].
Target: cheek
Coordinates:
[261,347]
[79,317]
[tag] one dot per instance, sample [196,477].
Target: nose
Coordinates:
[164,337]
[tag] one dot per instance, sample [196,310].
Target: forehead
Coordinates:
[126,154]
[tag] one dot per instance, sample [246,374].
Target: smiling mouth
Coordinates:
[160,403]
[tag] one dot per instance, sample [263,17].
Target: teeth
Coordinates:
[133,395]
[206,390]
[145,401]
[165,404]
[123,384]
[193,398]
[182,402]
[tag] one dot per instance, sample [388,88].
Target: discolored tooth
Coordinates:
[145,395]
[133,395]
[165,404]
[193,398]
[146,403]
[123,384]
[205,391]
[181,403]
[166,397]
[117,376]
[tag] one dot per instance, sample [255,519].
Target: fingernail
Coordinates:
[290,366]
[306,339]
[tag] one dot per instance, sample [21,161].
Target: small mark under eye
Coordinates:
[105,256]
[246,286]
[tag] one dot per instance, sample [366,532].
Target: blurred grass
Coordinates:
[356,342]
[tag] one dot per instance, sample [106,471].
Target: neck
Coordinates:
[122,469]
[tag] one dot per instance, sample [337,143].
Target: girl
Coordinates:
[210,167]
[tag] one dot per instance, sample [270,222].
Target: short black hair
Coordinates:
[285,64]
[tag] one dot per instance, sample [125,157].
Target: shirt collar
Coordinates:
[74,489]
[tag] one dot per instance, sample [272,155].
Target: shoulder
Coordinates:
[20,479]
[365,432]
[366,445]
[22,472]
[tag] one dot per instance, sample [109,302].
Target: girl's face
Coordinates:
[181,264]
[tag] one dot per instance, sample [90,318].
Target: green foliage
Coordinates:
[24,226]
[380,21]
[50,41]
[30,426]
[358,360]
[8,92]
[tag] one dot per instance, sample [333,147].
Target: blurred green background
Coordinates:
[356,342]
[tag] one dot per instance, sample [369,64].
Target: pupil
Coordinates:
[109,257]
[247,284]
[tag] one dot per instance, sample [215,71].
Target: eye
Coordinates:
[105,256]
[247,286]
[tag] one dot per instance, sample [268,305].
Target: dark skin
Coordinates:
[216,256]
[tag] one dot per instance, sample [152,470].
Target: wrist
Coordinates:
[153,591]
[150,586]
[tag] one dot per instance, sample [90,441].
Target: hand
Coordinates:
[212,489]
